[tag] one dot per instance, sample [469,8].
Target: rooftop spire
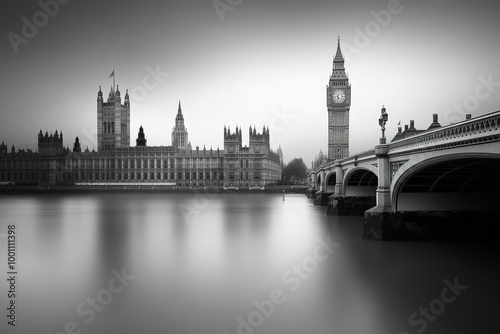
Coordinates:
[179,110]
[338,56]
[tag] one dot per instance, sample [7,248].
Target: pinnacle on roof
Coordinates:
[338,56]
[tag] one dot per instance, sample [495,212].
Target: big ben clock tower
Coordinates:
[338,101]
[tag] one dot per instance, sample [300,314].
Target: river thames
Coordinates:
[232,263]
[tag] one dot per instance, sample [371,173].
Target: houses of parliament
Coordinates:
[118,163]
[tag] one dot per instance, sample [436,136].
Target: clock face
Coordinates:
[338,96]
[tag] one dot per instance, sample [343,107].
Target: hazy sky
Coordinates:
[258,62]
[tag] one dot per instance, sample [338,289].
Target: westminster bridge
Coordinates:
[448,174]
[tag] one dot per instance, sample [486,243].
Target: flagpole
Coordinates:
[114,90]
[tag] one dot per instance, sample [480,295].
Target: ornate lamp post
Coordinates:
[382,121]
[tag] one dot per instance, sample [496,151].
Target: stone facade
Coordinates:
[253,166]
[113,121]
[116,163]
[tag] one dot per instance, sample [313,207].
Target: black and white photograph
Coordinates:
[249,166]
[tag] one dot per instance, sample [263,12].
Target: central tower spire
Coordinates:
[179,132]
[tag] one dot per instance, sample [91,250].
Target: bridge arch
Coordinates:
[360,182]
[330,180]
[318,181]
[453,182]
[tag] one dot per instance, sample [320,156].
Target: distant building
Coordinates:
[113,121]
[141,138]
[117,163]
[179,132]
[280,155]
[50,144]
[412,131]
[76,146]
[252,166]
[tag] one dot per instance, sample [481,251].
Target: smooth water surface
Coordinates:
[201,265]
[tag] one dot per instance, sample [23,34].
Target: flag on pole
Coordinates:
[113,75]
[399,122]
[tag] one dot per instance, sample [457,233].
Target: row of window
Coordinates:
[32,176]
[148,176]
[20,164]
[244,164]
[109,127]
[81,176]
[21,176]
[243,176]
[149,163]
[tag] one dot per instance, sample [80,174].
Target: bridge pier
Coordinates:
[380,224]
[310,193]
[441,225]
[380,221]
[321,198]
[347,206]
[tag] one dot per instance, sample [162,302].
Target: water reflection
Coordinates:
[199,272]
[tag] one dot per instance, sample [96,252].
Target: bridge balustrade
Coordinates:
[473,129]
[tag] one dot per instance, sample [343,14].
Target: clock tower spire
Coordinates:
[338,101]
[339,59]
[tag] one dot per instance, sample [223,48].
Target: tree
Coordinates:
[294,171]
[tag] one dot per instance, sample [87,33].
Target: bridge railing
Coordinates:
[470,129]
[365,155]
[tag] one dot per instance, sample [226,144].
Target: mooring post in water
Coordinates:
[283,194]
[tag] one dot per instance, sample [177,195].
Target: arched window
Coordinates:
[112,127]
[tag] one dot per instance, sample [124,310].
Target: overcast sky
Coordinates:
[252,62]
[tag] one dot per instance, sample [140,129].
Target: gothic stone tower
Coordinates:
[179,132]
[50,144]
[259,142]
[338,101]
[113,121]
[232,141]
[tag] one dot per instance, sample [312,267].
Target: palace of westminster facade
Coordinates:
[118,163]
